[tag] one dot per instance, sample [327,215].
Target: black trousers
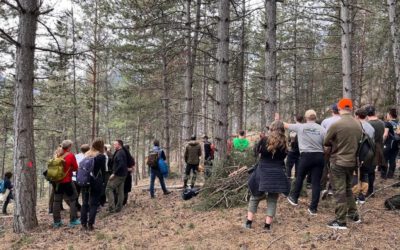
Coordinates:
[390,158]
[90,204]
[292,160]
[6,202]
[312,163]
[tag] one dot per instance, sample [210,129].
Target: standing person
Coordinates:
[293,156]
[367,167]
[91,194]
[241,143]
[208,156]
[326,124]
[155,172]
[66,188]
[79,157]
[391,144]
[8,188]
[117,179]
[343,137]
[108,155]
[311,138]
[269,178]
[128,179]
[192,160]
[379,128]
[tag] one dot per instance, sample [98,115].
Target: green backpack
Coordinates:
[55,169]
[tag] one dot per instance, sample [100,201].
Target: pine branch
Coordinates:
[9,38]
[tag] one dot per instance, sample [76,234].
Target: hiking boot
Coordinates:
[167,192]
[90,227]
[58,224]
[337,225]
[354,218]
[267,227]
[248,224]
[292,201]
[84,227]
[312,211]
[74,223]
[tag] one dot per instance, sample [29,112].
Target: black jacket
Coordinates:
[120,163]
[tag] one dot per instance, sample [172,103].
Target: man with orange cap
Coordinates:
[343,138]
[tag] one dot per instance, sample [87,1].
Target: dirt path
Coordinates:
[170,223]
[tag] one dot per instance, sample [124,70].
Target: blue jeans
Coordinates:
[153,175]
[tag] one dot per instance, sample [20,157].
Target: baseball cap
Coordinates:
[310,113]
[334,108]
[345,103]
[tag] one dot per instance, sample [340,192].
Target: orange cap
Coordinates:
[345,103]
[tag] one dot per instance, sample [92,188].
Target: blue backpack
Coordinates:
[85,172]
[163,166]
[2,188]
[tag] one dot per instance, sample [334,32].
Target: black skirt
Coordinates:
[269,177]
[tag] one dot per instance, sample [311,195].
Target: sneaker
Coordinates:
[361,199]
[292,201]
[337,225]
[324,194]
[167,193]
[312,211]
[354,218]
[330,192]
[58,224]
[75,222]
[248,224]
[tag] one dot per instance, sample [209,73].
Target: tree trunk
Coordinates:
[295,84]
[25,185]
[395,46]
[74,83]
[222,97]
[5,131]
[270,61]
[204,95]
[239,93]
[94,72]
[346,26]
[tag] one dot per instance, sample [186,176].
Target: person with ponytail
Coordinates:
[269,178]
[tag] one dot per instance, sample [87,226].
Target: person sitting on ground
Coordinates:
[311,138]
[156,172]
[79,157]
[269,178]
[367,167]
[66,188]
[8,188]
[343,137]
[115,185]
[192,160]
[91,194]
[241,143]
[379,128]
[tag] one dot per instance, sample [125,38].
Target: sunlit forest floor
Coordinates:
[168,222]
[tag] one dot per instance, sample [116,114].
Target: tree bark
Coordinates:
[5,131]
[222,91]
[239,93]
[346,27]
[74,82]
[394,30]
[270,61]
[25,185]
[94,71]
[204,95]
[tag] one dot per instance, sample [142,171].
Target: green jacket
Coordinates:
[193,153]
[240,144]
[343,136]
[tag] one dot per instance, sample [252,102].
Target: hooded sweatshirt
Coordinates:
[193,153]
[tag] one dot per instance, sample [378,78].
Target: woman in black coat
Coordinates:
[269,179]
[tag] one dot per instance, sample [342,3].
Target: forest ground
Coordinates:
[168,222]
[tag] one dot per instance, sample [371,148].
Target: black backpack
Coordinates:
[393,202]
[189,193]
[366,150]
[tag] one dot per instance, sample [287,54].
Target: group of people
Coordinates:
[110,180]
[326,153]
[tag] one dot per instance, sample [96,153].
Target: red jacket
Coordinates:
[70,166]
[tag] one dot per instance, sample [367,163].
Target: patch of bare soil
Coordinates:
[168,222]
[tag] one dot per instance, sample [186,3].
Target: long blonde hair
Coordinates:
[276,137]
[96,148]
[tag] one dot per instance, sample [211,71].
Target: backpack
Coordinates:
[129,158]
[396,129]
[163,166]
[393,202]
[85,172]
[55,169]
[366,150]
[2,187]
[152,159]
[189,193]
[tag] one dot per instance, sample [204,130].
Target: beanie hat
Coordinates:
[345,103]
